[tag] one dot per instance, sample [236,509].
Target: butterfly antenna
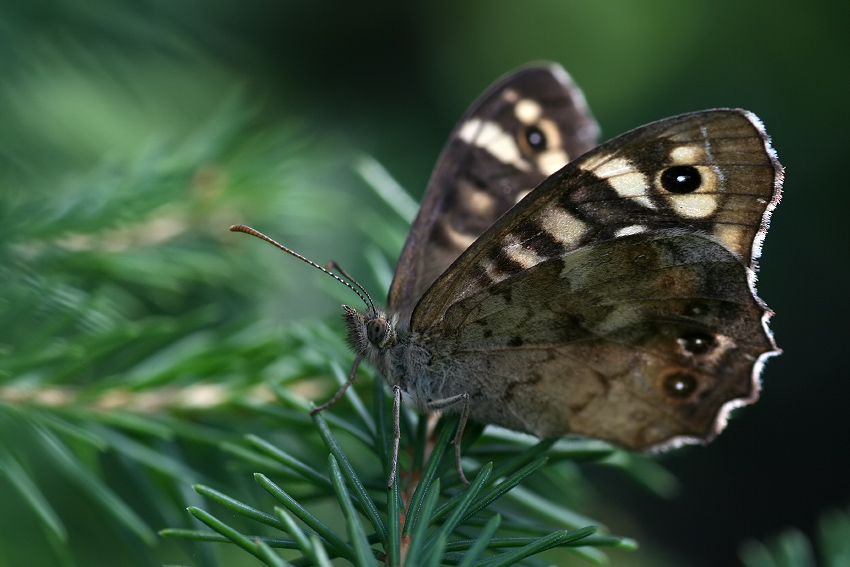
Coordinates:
[248,230]
[334,266]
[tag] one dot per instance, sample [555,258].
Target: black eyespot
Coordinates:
[376,330]
[536,138]
[681,179]
[515,341]
[698,343]
[680,385]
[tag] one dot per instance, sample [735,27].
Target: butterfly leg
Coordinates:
[434,405]
[351,376]
[396,434]
[464,415]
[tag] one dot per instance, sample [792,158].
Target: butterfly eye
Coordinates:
[535,138]
[681,179]
[680,385]
[376,330]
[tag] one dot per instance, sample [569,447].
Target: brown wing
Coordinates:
[524,128]
[642,340]
[710,173]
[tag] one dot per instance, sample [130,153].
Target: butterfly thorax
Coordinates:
[402,360]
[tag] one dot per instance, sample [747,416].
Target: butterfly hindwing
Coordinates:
[524,128]
[640,340]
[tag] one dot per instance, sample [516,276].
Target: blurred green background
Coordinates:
[132,134]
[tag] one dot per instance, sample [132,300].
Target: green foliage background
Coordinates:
[136,333]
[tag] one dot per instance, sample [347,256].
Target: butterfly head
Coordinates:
[369,330]
[372,335]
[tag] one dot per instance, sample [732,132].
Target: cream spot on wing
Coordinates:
[460,239]
[551,161]
[687,155]
[695,205]
[469,130]
[734,238]
[626,180]
[528,111]
[632,186]
[510,95]
[480,202]
[524,257]
[562,226]
[514,250]
[490,136]
[489,267]
[629,230]
[552,133]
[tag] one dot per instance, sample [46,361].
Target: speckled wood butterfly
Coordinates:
[554,287]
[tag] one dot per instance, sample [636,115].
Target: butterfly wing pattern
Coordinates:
[616,300]
[523,129]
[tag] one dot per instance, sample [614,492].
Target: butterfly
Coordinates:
[555,287]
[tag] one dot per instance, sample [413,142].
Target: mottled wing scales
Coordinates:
[641,340]
[709,173]
[523,129]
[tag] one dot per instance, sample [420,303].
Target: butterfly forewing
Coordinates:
[523,129]
[707,172]
[710,173]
